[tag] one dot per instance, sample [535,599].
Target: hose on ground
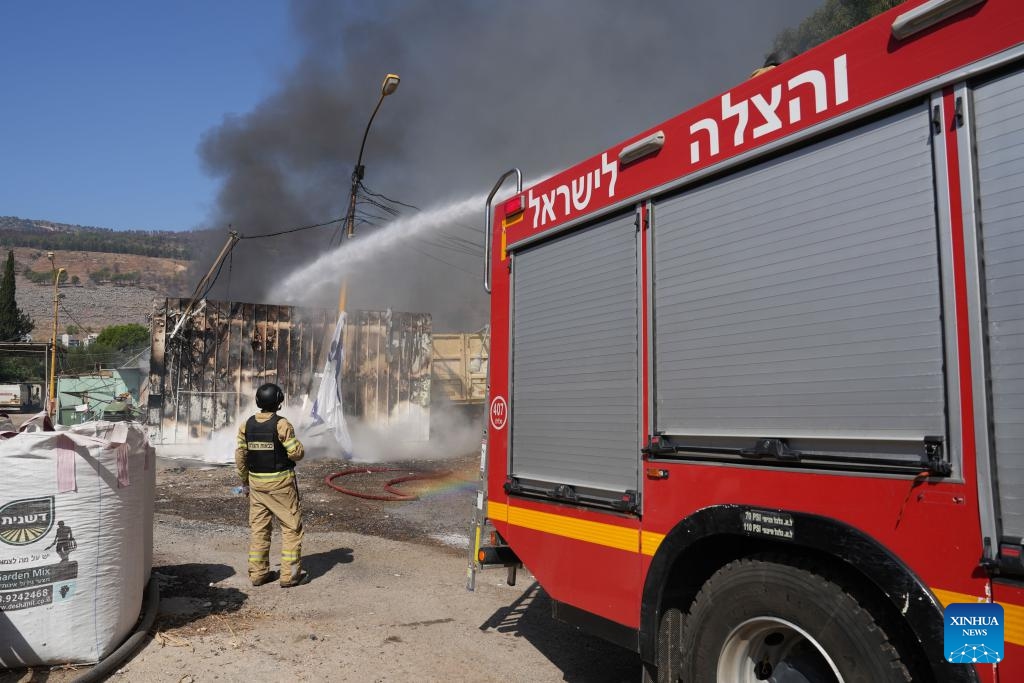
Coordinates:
[109,664]
[389,485]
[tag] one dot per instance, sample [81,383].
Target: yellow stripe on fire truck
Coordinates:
[1013,615]
[647,543]
[608,535]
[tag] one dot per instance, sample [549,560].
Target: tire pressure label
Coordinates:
[33,597]
[768,523]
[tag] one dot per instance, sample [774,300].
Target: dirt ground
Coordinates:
[386,601]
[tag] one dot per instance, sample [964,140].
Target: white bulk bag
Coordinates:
[76,541]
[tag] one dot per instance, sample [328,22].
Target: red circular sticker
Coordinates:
[499,412]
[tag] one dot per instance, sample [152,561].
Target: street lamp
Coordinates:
[52,398]
[389,86]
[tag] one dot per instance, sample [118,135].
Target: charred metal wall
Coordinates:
[203,378]
[387,370]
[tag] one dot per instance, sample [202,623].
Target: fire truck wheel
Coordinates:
[760,620]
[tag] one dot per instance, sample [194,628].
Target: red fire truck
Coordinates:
[757,374]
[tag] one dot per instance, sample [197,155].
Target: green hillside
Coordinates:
[50,236]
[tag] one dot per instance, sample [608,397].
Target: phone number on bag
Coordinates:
[16,600]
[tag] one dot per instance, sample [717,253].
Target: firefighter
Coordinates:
[265,457]
[773,60]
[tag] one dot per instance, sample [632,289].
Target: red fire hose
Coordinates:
[388,485]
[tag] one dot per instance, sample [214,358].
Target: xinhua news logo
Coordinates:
[974,633]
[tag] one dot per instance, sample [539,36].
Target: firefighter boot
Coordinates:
[266,578]
[297,579]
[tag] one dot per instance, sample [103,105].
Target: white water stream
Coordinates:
[326,272]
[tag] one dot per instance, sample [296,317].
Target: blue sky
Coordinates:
[104,103]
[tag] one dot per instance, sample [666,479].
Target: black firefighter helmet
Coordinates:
[269,397]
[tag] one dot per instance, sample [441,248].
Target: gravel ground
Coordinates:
[440,517]
[386,600]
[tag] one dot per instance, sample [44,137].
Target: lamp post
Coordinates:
[52,398]
[389,86]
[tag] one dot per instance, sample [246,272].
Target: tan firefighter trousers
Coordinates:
[271,495]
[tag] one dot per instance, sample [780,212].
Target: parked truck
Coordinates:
[756,379]
[459,372]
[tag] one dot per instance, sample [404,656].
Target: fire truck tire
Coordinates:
[760,619]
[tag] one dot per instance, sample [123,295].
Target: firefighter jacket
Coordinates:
[266,443]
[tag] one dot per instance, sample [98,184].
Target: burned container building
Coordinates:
[207,362]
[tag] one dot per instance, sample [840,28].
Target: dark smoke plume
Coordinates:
[538,84]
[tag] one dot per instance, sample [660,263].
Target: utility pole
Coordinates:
[388,86]
[207,280]
[52,395]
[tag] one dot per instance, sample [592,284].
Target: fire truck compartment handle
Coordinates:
[771,448]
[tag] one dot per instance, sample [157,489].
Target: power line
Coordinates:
[291,230]
[68,314]
[437,258]
[386,198]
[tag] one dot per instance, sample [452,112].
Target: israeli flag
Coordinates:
[327,409]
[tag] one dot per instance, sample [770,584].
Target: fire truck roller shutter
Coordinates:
[800,298]
[999,119]
[575,370]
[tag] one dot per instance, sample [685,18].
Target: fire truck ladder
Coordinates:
[495,553]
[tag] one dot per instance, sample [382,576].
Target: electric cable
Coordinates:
[377,194]
[68,314]
[291,230]
[450,265]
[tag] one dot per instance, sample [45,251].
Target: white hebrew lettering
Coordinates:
[767,110]
[581,191]
[711,126]
[839,69]
[534,205]
[611,168]
[741,110]
[543,207]
[549,207]
[563,190]
[814,78]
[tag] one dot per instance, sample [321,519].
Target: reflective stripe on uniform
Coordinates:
[272,476]
[290,444]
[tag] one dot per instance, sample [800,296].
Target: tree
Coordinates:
[13,322]
[124,337]
[828,21]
